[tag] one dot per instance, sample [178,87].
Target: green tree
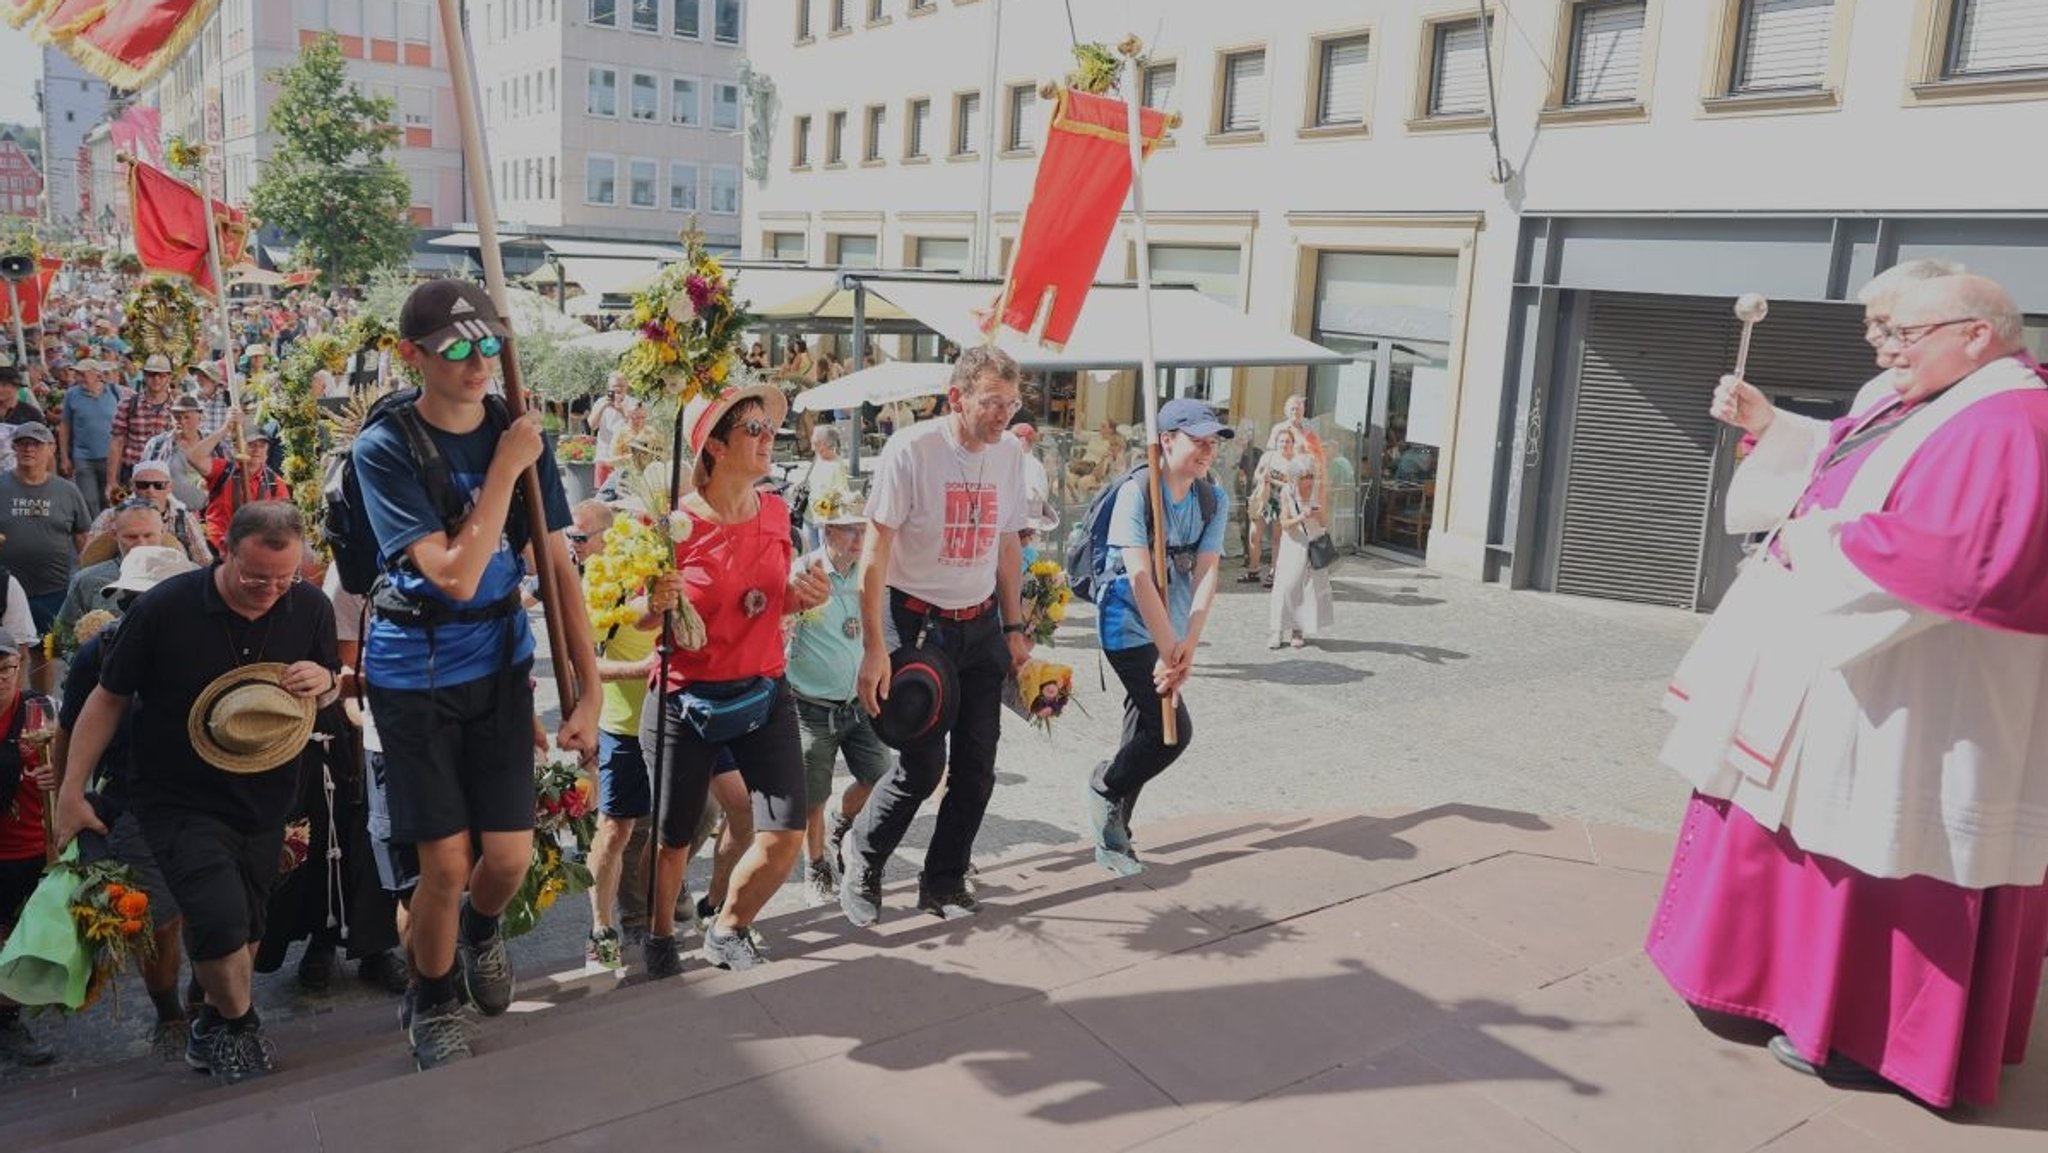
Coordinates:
[331,184]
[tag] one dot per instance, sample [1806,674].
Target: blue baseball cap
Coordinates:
[1192,417]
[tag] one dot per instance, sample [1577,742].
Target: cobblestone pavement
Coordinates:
[1429,690]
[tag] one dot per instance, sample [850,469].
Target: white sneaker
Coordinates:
[1275,641]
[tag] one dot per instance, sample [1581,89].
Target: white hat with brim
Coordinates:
[702,415]
[246,722]
[145,566]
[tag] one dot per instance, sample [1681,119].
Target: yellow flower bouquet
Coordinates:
[1046,597]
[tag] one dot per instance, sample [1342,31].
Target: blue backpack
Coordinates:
[1089,557]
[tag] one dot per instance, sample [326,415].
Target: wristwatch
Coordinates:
[1016,627]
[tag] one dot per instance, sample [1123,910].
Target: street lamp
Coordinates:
[561,282]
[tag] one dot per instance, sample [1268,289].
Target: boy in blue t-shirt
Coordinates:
[448,655]
[1150,641]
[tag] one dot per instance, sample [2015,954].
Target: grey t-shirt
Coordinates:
[39,522]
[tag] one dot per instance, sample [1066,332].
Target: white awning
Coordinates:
[1189,329]
[889,381]
[532,312]
[615,250]
[599,275]
[772,287]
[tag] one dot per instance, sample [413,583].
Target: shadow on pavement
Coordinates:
[1427,654]
[1294,671]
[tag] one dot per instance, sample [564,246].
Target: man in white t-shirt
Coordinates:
[944,563]
[612,419]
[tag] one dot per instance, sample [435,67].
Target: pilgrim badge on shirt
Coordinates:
[1184,563]
[754,602]
[851,627]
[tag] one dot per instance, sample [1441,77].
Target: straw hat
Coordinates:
[245,721]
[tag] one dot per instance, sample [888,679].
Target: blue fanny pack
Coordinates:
[722,711]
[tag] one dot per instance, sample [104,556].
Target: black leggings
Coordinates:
[1144,753]
[770,760]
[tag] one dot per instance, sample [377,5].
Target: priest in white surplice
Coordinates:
[1865,721]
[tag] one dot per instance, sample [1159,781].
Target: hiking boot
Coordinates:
[949,904]
[18,1046]
[703,913]
[486,973]
[388,970]
[230,1056]
[733,951]
[660,959]
[820,886]
[1106,823]
[316,968]
[604,949]
[167,1041]
[439,1035]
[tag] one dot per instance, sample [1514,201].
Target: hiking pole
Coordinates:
[553,599]
[1148,368]
[663,646]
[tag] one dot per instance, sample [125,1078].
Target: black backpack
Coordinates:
[347,528]
[1088,551]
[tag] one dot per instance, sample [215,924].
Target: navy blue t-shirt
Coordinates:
[400,513]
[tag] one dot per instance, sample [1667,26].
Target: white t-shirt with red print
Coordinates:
[949,507]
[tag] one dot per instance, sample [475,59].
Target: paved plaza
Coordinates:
[1396,897]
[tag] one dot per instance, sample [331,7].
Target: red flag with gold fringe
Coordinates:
[127,43]
[170,226]
[1083,179]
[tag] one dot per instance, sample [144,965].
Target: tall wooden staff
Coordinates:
[462,72]
[1148,375]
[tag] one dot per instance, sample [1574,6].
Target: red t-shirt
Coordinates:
[727,567]
[21,817]
[223,498]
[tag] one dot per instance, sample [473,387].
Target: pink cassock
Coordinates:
[1931,984]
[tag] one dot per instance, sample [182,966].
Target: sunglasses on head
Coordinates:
[461,349]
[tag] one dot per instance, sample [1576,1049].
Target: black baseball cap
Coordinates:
[441,312]
[1192,417]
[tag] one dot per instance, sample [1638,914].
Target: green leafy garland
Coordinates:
[295,406]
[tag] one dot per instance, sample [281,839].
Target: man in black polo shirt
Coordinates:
[215,834]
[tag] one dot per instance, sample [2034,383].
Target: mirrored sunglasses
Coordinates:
[461,349]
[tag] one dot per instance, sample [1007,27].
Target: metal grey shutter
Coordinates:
[1459,85]
[1607,54]
[1785,45]
[1994,36]
[1805,348]
[1159,86]
[1244,92]
[1342,100]
[1639,472]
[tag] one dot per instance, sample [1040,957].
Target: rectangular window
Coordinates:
[1159,80]
[682,102]
[646,15]
[940,254]
[551,90]
[785,246]
[418,107]
[1340,81]
[1244,92]
[640,186]
[1783,45]
[838,14]
[604,13]
[725,190]
[689,19]
[600,180]
[967,124]
[551,178]
[874,11]
[645,97]
[682,188]
[602,98]
[871,140]
[800,143]
[803,19]
[380,20]
[1023,118]
[725,106]
[725,21]
[857,252]
[1457,69]
[915,125]
[1997,38]
[1607,53]
[835,137]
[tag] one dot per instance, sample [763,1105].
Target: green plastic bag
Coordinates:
[44,962]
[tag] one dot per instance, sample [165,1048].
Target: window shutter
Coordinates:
[920,117]
[1459,86]
[1159,86]
[1607,54]
[1997,36]
[1343,96]
[1244,92]
[1785,45]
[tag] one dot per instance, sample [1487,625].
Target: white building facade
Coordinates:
[1336,175]
[72,101]
[613,119]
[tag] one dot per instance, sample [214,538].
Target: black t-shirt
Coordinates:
[22,413]
[175,640]
[79,678]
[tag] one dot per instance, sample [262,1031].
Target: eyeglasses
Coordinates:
[577,537]
[995,404]
[753,426]
[12,669]
[459,351]
[1908,335]
[152,484]
[258,584]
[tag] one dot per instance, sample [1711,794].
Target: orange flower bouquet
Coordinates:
[113,919]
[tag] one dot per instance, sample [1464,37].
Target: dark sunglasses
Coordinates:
[152,484]
[460,350]
[577,537]
[753,426]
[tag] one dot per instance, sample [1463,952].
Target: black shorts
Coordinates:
[219,876]
[770,761]
[398,864]
[18,880]
[459,758]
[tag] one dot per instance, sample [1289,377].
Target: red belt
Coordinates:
[927,609]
